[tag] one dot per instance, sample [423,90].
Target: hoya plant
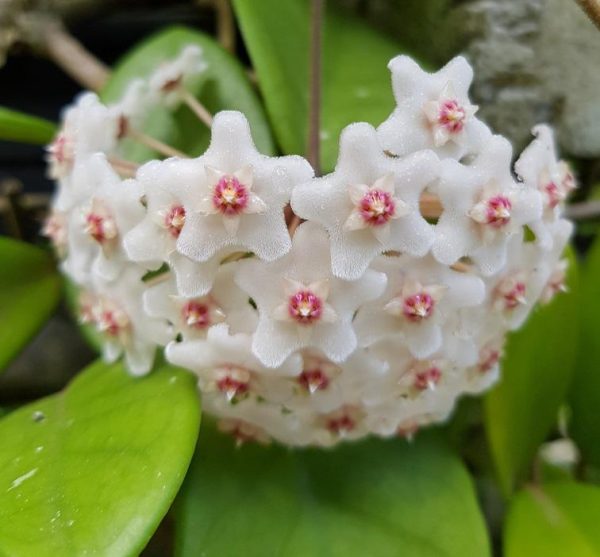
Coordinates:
[366,292]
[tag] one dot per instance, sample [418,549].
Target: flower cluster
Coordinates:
[391,299]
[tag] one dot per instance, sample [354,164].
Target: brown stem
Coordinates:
[155,144]
[314,106]
[50,36]
[592,10]
[585,210]
[197,107]
[225,25]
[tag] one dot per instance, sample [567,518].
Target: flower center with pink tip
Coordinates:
[230,196]
[452,116]
[305,307]
[489,358]
[174,220]
[341,425]
[196,315]
[553,195]
[61,150]
[112,322]
[427,379]
[515,296]
[313,380]
[418,307]
[497,211]
[232,387]
[377,207]
[101,228]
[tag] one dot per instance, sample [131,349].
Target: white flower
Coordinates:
[301,305]
[239,195]
[96,227]
[168,189]
[539,168]
[192,317]
[116,311]
[370,204]
[433,111]
[172,77]
[133,107]
[421,295]
[229,371]
[483,208]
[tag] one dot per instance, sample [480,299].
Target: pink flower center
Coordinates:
[61,149]
[515,296]
[341,424]
[497,211]
[100,227]
[174,220]
[313,380]
[305,307]
[452,116]
[408,430]
[196,315]
[489,358]
[418,307]
[232,387]
[112,322]
[230,197]
[427,379]
[553,195]
[56,230]
[377,207]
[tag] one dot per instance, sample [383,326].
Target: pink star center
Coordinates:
[61,150]
[452,116]
[232,387]
[196,315]
[497,211]
[305,307]
[488,360]
[427,379]
[100,227]
[418,307]
[515,296]
[313,380]
[230,197]
[174,220]
[340,425]
[377,207]
[112,322]
[553,195]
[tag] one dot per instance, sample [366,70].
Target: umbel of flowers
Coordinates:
[312,309]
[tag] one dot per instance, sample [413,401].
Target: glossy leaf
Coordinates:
[374,498]
[558,520]
[225,86]
[24,128]
[95,468]
[585,390]
[29,292]
[536,373]
[356,83]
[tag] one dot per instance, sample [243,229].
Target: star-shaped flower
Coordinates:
[238,195]
[96,227]
[117,313]
[539,168]
[192,317]
[433,111]
[304,305]
[482,208]
[370,203]
[421,295]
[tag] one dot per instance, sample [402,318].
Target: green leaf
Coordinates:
[558,520]
[95,468]
[536,372]
[585,390]
[374,498]
[29,291]
[224,86]
[356,84]
[24,128]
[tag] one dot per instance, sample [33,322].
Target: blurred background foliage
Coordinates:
[531,447]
